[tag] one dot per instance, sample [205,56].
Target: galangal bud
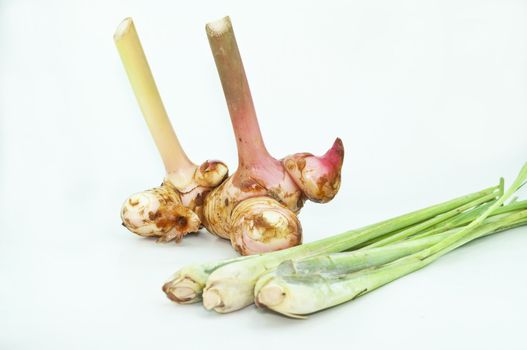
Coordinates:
[256,207]
[176,207]
[317,177]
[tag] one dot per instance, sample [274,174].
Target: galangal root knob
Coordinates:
[317,177]
[158,213]
[262,224]
[169,212]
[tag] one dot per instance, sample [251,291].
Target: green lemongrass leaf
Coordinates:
[465,235]
[467,217]
[348,262]
[298,295]
[433,221]
[298,299]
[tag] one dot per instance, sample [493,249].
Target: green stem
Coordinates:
[466,234]
[298,294]
[348,262]
[429,223]
[467,217]
[352,238]
[406,265]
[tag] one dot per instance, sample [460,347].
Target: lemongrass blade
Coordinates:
[467,217]
[300,295]
[466,235]
[433,221]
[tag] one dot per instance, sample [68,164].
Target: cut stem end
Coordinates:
[211,299]
[219,27]
[271,295]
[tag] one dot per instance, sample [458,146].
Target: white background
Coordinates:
[430,98]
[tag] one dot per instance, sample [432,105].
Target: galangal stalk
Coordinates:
[176,207]
[256,208]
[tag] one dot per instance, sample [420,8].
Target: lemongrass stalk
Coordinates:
[231,287]
[429,223]
[297,299]
[134,60]
[297,295]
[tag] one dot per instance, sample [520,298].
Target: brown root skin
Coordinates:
[176,220]
[221,202]
[158,213]
[299,177]
[317,177]
[204,178]
[254,217]
[176,207]
[211,173]
[208,175]
[262,224]
[274,181]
